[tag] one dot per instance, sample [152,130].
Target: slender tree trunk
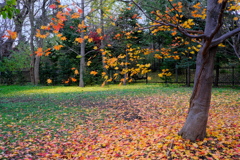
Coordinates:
[36,69]
[196,122]
[102,34]
[82,59]
[31,18]
[42,21]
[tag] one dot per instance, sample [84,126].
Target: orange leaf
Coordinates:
[63,38]
[59,35]
[80,11]
[93,73]
[39,52]
[12,35]
[58,47]
[134,16]
[75,15]
[79,40]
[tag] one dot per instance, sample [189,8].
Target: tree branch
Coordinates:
[2,5]
[227,35]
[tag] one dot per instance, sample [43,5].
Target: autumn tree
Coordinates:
[196,122]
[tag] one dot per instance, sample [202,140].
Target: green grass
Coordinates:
[28,108]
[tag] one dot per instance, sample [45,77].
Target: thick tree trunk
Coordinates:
[196,122]
[195,125]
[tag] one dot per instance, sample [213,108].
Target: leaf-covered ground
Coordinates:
[139,122]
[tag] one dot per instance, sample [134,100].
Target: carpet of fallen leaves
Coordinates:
[134,127]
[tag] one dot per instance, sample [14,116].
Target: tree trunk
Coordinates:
[102,35]
[31,18]
[40,42]
[217,72]
[82,65]
[195,125]
[82,59]
[36,69]
[196,122]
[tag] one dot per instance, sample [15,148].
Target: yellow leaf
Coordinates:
[49,81]
[89,63]
[235,18]
[76,72]
[75,15]
[90,40]
[99,30]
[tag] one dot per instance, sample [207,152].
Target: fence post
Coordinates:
[188,76]
[146,78]
[233,76]
[176,73]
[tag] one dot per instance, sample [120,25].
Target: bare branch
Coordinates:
[227,35]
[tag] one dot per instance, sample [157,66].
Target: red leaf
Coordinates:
[53,6]
[80,11]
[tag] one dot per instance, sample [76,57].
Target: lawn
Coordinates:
[113,122]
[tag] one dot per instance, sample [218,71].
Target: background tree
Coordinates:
[7,8]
